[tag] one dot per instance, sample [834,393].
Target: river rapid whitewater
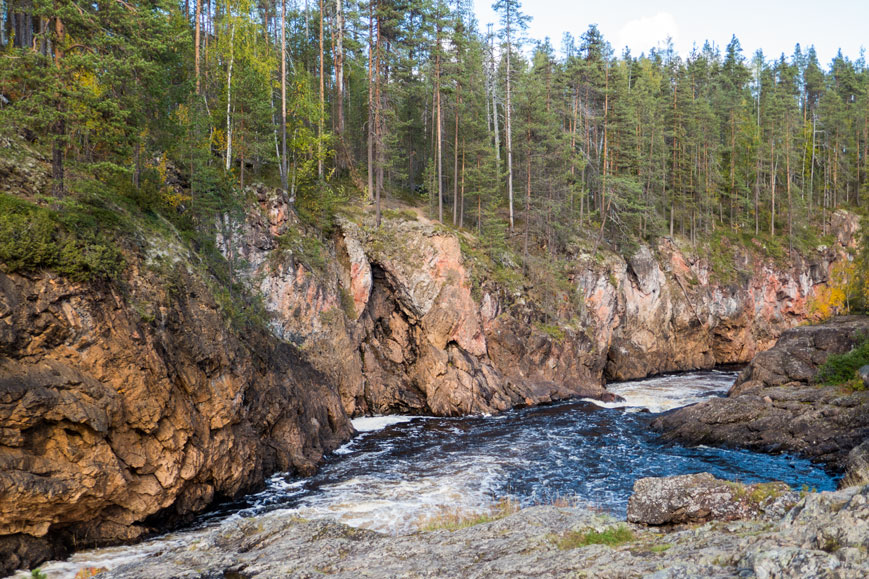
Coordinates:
[401,470]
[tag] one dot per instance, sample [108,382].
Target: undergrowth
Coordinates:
[841,369]
[73,240]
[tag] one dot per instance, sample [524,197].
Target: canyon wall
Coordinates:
[128,406]
[399,320]
[125,409]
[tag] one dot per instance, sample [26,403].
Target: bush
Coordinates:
[34,238]
[842,368]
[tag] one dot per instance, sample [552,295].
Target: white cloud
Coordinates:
[641,34]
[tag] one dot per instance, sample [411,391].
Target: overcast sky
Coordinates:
[774,26]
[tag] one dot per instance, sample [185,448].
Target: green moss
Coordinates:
[611,537]
[660,548]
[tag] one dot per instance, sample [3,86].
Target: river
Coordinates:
[399,471]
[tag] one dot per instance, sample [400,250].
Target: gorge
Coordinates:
[126,410]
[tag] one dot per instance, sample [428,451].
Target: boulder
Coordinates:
[697,498]
[857,466]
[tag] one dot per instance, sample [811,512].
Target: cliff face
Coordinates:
[669,313]
[117,417]
[391,316]
[123,408]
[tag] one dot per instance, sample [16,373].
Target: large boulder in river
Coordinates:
[697,498]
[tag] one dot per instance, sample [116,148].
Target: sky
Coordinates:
[774,26]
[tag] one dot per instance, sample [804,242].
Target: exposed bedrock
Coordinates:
[775,406]
[119,413]
[391,317]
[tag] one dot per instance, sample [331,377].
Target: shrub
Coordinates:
[34,238]
[842,368]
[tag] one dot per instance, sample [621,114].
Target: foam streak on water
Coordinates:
[400,470]
[664,393]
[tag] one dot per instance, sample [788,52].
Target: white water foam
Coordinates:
[372,423]
[394,482]
[668,392]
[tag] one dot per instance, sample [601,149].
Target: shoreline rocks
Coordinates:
[824,534]
[774,406]
[699,498]
[116,420]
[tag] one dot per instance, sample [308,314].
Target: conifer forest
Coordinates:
[530,143]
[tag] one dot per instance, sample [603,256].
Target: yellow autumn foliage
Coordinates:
[834,298]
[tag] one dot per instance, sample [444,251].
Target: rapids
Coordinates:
[400,470]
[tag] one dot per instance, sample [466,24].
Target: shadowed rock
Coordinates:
[773,407]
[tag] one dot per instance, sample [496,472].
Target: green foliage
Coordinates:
[611,537]
[841,369]
[400,214]
[347,303]
[317,206]
[68,241]
[307,249]
[37,574]
[554,331]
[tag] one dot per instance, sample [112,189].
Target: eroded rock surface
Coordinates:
[394,317]
[774,407]
[823,535]
[698,498]
[119,413]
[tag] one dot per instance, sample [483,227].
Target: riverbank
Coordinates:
[403,474]
[777,405]
[823,535]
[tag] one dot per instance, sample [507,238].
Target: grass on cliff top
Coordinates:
[611,537]
[841,369]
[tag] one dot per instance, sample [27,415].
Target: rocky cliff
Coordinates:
[404,321]
[123,409]
[128,406]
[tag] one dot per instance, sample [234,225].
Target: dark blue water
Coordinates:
[390,479]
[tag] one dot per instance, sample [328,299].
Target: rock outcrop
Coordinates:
[396,318]
[824,535]
[773,406]
[122,412]
[698,498]
[391,318]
